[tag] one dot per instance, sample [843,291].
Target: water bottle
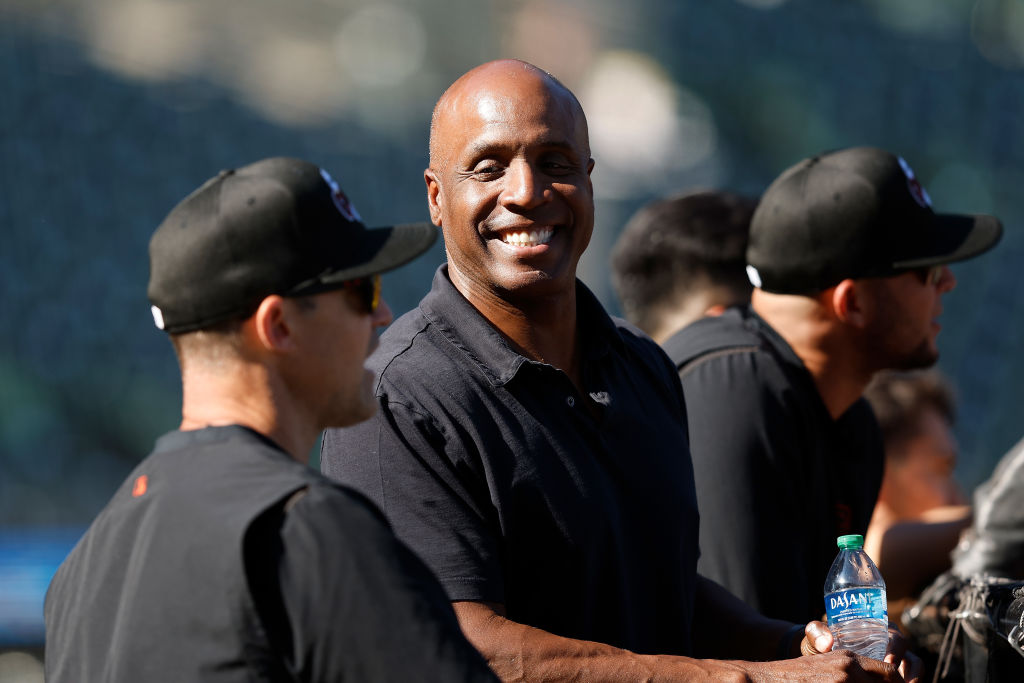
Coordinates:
[855,601]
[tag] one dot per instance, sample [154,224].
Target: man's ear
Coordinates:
[434,198]
[271,324]
[849,301]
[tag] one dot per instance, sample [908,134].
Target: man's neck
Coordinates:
[820,343]
[707,301]
[542,328]
[250,397]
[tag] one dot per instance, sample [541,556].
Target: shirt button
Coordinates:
[570,401]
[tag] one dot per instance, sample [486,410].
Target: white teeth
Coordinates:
[528,239]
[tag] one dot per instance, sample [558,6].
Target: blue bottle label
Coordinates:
[855,603]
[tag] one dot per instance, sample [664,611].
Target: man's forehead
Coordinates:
[509,140]
[502,75]
[496,109]
[504,96]
[491,106]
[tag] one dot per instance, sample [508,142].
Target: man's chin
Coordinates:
[516,282]
[923,357]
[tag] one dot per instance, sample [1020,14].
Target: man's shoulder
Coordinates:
[416,356]
[329,505]
[398,339]
[630,333]
[734,360]
[733,332]
[214,456]
[218,479]
[640,345]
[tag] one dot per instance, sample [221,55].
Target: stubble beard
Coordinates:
[924,355]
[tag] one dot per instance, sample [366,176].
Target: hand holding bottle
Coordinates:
[819,640]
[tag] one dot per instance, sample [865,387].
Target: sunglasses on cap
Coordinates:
[367,290]
[930,275]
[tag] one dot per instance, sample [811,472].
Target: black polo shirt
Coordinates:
[777,478]
[223,559]
[490,466]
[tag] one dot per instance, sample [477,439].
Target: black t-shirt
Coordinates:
[493,470]
[223,559]
[777,478]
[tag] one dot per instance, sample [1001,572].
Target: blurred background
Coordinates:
[112,110]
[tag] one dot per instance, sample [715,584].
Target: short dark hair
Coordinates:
[211,344]
[674,247]
[899,399]
[215,341]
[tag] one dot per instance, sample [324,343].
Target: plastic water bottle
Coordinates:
[855,601]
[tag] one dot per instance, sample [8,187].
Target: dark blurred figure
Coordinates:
[990,564]
[969,623]
[681,258]
[995,543]
[921,510]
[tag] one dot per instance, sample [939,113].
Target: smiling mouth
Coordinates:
[533,238]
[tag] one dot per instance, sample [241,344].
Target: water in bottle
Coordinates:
[855,601]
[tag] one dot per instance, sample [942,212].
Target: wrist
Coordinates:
[785,648]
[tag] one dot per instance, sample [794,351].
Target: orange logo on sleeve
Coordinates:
[140,486]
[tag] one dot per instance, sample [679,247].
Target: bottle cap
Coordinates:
[850,541]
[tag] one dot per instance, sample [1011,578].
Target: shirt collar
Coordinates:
[785,351]
[464,327]
[787,355]
[180,439]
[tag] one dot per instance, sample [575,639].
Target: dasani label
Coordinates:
[856,603]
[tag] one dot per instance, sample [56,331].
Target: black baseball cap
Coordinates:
[854,213]
[278,226]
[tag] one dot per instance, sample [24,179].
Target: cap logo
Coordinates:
[919,194]
[140,486]
[340,200]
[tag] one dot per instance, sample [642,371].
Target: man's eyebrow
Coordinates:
[559,143]
[482,148]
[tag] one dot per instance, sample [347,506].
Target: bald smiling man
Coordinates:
[533,450]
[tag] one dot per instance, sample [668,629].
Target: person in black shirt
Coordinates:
[849,264]
[223,556]
[532,449]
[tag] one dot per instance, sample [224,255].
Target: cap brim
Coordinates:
[388,248]
[955,238]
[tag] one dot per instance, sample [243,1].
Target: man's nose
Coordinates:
[947,281]
[383,316]
[524,186]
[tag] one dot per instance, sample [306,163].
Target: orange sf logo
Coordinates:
[140,486]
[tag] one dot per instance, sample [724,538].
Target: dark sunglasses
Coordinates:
[930,275]
[367,289]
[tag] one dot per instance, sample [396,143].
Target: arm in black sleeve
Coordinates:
[429,482]
[360,605]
